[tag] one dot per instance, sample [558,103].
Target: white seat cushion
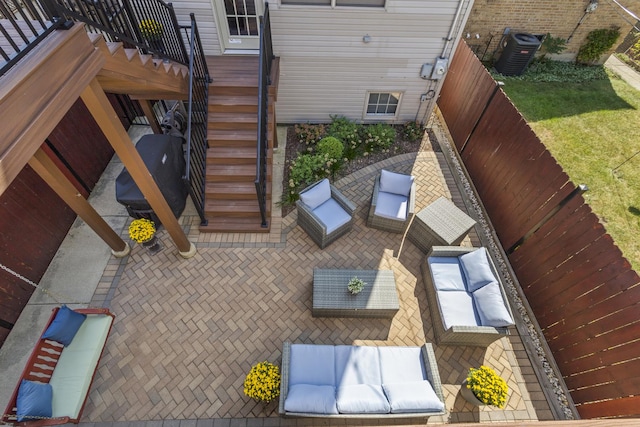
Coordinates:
[392,206]
[491,306]
[447,274]
[415,396]
[476,269]
[362,399]
[401,364]
[396,183]
[357,365]
[332,215]
[317,195]
[72,376]
[312,364]
[313,399]
[456,308]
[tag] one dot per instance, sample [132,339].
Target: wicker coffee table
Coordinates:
[332,299]
[439,224]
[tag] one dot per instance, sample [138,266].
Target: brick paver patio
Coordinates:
[188,331]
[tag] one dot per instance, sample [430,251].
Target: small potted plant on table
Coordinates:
[355,285]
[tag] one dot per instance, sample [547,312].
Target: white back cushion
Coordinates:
[357,365]
[317,195]
[312,364]
[476,269]
[396,183]
[415,396]
[401,364]
[491,306]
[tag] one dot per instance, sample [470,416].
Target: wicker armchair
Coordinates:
[391,218]
[324,213]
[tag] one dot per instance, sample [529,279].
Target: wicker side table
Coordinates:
[439,224]
[332,299]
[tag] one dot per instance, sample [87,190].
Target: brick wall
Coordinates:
[565,18]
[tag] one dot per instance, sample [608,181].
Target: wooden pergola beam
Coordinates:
[98,104]
[53,176]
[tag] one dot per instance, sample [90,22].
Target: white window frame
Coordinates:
[330,3]
[376,116]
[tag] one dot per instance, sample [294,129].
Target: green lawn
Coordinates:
[591,129]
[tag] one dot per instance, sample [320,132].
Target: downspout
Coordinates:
[432,88]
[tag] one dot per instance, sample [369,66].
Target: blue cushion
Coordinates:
[34,400]
[456,308]
[476,269]
[312,364]
[396,183]
[357,365]
[447,274]
[332,215]
[414,396]
[401,364]
[490,306]
[316,195]
[362,399]
[64,326]
[312,399]
[392,206]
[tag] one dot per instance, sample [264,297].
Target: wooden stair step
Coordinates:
[232,190]
[232,138]
[235,104]
[231,173]
[234,225]
[232,155]
[234,87]
[232,208]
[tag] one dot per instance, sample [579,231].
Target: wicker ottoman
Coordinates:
[439,224]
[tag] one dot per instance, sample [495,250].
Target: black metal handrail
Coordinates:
[265,60]
[197,107]
[24,24]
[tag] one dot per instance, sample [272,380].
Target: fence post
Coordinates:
[580,189]
[484,110]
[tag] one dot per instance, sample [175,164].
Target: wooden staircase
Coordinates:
[231,202]
[127,71]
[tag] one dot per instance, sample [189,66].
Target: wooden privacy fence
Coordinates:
[581,289]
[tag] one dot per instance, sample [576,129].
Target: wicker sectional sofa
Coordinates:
[467,300]
[345,381]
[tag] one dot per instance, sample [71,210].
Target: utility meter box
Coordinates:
[440,68]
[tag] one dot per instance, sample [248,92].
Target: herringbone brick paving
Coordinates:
[188,331]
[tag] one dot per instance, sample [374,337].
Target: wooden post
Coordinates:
[104,114]
[147,108]
[49,172]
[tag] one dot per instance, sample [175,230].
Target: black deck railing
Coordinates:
[266,58]
[23,25]
[197,119]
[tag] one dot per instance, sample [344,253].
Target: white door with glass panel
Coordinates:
[239,23]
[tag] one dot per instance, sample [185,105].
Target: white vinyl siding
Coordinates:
[203,10]
[326,68]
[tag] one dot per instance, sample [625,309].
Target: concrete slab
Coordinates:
[625,72]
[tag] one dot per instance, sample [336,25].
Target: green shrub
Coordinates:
[303,171]
[309,134]
[552,45]
[332,148]
[348,132]
[412,131]
[378,137]
[598,42]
